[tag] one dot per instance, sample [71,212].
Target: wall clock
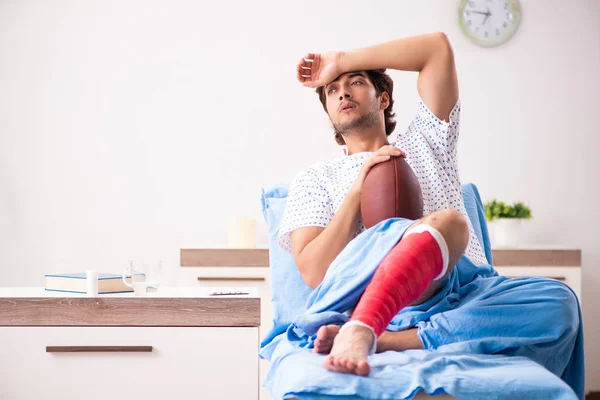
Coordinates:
[489,22]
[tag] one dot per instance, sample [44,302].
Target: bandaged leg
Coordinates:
[402,276]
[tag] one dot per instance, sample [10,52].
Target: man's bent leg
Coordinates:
[533,317]
[401,278]
[455,230]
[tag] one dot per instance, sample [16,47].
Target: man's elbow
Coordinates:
[307,272]
[310,281]
[444,43]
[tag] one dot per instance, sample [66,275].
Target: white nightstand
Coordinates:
[562,264]
[179,343]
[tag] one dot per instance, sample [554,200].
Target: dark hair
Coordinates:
[382,83]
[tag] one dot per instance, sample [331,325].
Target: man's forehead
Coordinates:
[348,75]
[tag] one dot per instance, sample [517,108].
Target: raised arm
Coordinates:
[430,54]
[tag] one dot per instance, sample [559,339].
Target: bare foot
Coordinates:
[325,336]
[350,350]
[395,341]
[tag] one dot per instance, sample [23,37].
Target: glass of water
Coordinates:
[144,276]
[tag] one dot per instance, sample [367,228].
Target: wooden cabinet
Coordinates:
[186,346]
[180,363]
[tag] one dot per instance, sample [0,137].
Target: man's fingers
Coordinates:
[299,74]
[303,72]
[379,159]
[306,63]
[372,161]
[306,69]
[392,150]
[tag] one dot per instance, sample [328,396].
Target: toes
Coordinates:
[315,349]
[322,346]
[322,333]
[329,363]
[347,366]
[363,368]
[328,332]
[334,364]
[317,345]
[350,365]
[333,331]
[344,365]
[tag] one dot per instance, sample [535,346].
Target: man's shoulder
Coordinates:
[314,169]
[323,168]
[310,174]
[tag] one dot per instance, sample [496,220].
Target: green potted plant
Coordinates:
[505,221]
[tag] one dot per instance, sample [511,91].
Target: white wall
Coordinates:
[132,128]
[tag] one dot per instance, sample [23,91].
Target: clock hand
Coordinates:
[486,17]
[479,12]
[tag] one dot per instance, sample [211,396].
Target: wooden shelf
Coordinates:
[529,257]
[224,257]
[129,311]
[536,258]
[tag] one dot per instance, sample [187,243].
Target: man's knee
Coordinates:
[552,305]
[453,226]
[564,305]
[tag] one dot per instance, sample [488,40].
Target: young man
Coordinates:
[323,208]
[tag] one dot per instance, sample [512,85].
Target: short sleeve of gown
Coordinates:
[308,204]
[441,135]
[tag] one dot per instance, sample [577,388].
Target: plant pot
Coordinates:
[506,232]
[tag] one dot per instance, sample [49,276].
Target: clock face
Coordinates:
[489,22]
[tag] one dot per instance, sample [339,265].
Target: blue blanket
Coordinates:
[485,336]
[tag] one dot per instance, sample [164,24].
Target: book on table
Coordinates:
[76,283]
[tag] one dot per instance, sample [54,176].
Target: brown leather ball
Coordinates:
[390,190]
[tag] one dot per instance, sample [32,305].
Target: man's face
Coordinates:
[352,101]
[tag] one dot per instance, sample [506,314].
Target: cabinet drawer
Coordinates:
[129,363]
